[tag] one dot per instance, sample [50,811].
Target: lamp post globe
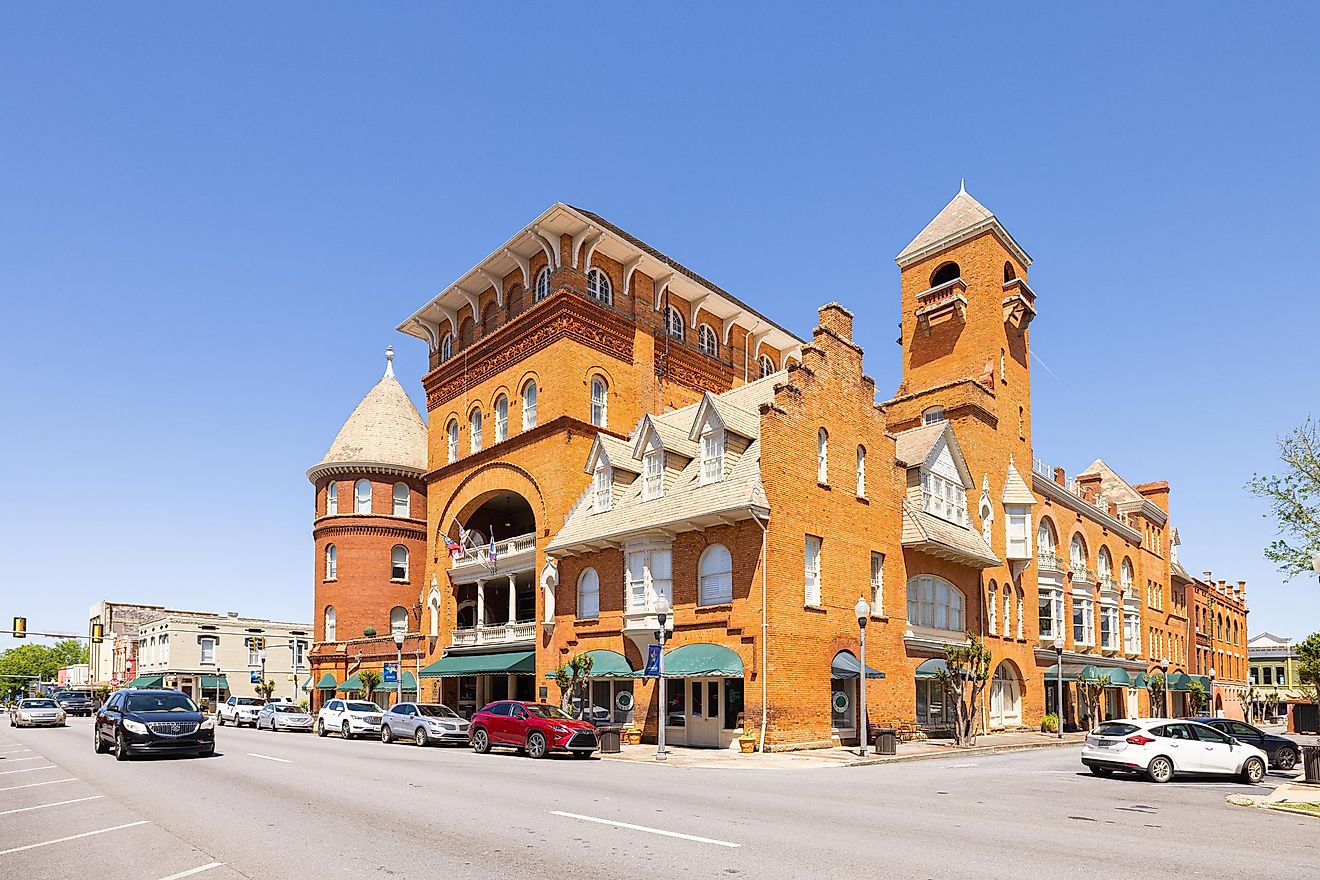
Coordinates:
[1058,683]
[663,610]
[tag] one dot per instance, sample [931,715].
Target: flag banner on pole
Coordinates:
[652,669]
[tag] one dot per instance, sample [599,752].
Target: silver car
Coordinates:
[423,723]
[284,716]
[37,711]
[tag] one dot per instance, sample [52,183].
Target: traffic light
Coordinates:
[20,627]
[98,633]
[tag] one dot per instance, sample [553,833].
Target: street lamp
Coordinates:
[662,612]
[1210,697]
[398,668]
[1058,683]
[262,655]
[863,612]
[1164,670]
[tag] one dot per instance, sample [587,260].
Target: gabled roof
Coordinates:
[384,431]
[919,446]
[1016,490]
[1114,488]
[962,218]
[615,451]
[936,537]
[724,415]
[673,437]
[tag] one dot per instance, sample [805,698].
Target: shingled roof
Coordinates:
[385,431]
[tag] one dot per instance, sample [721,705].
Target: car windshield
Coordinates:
[435,710]
[1115,728]
[363,707]
[72,695]
[175,702]
[38,704]
[246,701]
[543,710]
[290,710]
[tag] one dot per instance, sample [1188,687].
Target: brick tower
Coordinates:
[370,535]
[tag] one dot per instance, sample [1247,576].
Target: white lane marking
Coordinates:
[958,766]
[659,831]
[268,758]
[35,784]
[94,797]
[13,751]
[199,869]
[27,770]
[19,760]
[5,852]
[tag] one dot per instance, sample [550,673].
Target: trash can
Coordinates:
[609,739]
[1311,764]
[886,740]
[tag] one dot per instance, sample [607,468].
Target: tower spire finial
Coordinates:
[389,360]
[962,187]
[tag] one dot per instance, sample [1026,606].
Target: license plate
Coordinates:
[1106,743]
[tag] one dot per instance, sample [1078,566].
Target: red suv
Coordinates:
[537,728]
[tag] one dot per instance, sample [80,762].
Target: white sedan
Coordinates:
[1161,748]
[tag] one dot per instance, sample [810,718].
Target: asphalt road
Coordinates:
[279,805]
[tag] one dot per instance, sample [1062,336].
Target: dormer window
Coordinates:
[944,498]
[932,415]
[602,487]
[542,284]
[653,480]
[767,366]
[712,455]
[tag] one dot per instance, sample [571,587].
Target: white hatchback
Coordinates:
[1162,748]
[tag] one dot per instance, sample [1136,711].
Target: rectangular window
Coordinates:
[208,650]
[604,485]
[501,419]
[1108,627]
[712,457]
[944,498]
[733,703]
[878,583]
[1083,622]
[1278,675]
[299,654]
[254,653]
[812,571]
[1268,675]
[637,581]
[653,462]
[1019,527]
[1051,613]
[650,575]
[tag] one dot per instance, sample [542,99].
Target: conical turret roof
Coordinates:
[962,218]
[384,432]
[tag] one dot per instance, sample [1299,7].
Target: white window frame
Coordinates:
[331,623]
[446,347]
[675,325]
[861,471]
[602,487]
[1050,611]
[708,340]
[812,549]
[653,473]
[944,498]
[361,501]
[529,393]
[932,415]
[823,456]
[331,562]
[398,622]
[992,609]
[332,498]
[712,455]
[600,402]
[877,583]
[766,365]
[254,653]
[1111,621]
[588,586]
[649,574]
[501,418]
[1017,527]
[1083,622]
[542,286]
[474,429]
[452,431]
[394,563]
[934,603]
[402,505]
[715,576]
[599,286]
[206,645]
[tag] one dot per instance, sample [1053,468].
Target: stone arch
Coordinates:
[1007,688]
[479,487]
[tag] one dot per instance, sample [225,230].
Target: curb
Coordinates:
[961,753]
[1280,808]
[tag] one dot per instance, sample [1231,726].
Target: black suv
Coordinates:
[152,722]
[74,702]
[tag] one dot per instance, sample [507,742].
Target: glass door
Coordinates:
[843,708]
[705,700]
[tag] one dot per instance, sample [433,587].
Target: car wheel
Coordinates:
[1285,759]
[220,720]
[1101,771]
[320,727]
[98,744]
[1253,771]
[121,747]
[421,738]
[536,745]
[345,732]
[386,735]
[1160,769]
[480,741]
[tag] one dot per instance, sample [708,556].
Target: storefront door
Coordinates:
[705,699]
[843,709]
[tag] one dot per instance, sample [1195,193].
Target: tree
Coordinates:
[1200,699]
[1294,500]
[572,678]
[1155,686]
[1089,693]
[27,664]
[967,669]
[265,690]
[1308,666]
[371,680]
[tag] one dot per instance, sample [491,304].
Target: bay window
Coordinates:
[1083,620]
[1051,612]
[650,575]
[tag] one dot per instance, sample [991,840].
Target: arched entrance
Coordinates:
[1006,696]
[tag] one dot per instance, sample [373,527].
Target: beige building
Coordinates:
[212,656]
[113,656]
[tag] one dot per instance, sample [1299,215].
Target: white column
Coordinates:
[513,600]
[481,607]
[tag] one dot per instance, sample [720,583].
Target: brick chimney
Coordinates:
[838,320]
[1090,486]
[1113,509]
[1060,477]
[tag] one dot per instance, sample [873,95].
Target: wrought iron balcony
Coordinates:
[1082,574]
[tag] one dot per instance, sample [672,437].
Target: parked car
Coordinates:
[1162,748]
[135,721]
[239,711]
[537,728]
[75,702]
[36,712]
[1282,751]
[349,718]
[423,723]
[284,716]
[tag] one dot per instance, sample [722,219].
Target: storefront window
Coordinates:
[676,715]
[733,703]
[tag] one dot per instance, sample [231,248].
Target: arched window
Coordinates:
[944,274]
[402,505]
[1021,596]
[1125,575]
[932,415]
[332,499]
[474,429]
[434,607]
[588,594]
[398,619]
[991,607]
[861,471]
[674,324]
[501,418]
[331,562]
[446,347]
[1047,542]
[362,496]
[542,284]
[329,623]
[529,405]
[715,576]
[451,431]
[599,286]
[399,563]
[1077,552]
[709,342]
[1104,566]
[935,603]
[1008,611]
[467,332]
[822,456]
[767,366]
[600,402]
[1009,274]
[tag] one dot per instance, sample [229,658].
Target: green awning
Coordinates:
[1205,682]
[846,665]
[1117,677]
[932,668]
[505,663]
[1051,674]
[354,683]
[605,664]
[1179,681]
[409,683]
[214,682]
[146,681]
[702,660]
[327,683]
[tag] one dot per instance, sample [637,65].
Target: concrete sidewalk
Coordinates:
[682,756]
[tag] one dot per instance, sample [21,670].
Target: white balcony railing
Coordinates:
[507,550]
[494,634]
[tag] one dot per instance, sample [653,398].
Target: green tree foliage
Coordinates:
[1294,500]
[572,678]
[371,680]
[967,669]
[1308,666]
[25,664]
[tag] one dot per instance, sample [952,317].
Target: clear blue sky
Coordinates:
[212,219]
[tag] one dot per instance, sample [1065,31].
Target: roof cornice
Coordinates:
[340,468]
[990,224]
